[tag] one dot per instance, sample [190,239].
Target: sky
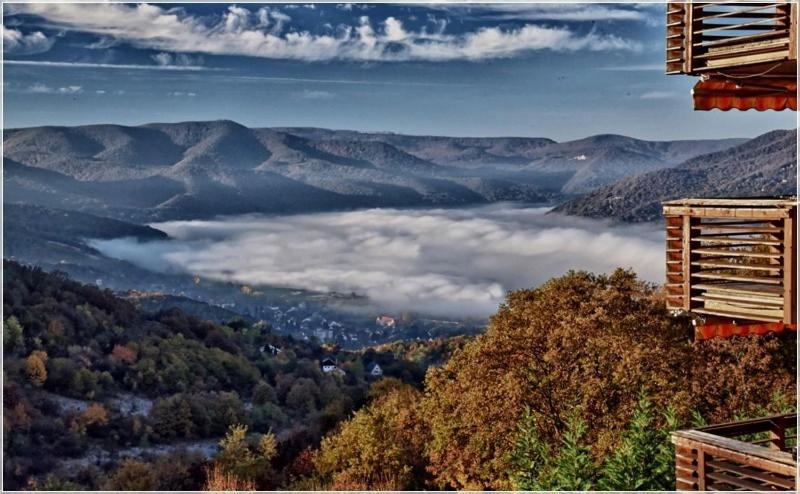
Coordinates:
[562,71]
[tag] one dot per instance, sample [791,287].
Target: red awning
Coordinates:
[745,94]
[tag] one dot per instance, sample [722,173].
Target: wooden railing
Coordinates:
[732,258]
[704,37]
[750,455]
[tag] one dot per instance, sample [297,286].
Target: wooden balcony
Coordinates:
[744,53]
[751,455]
[744,38]
[732,260]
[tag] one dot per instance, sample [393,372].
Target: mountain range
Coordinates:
[763,166]
[200,169]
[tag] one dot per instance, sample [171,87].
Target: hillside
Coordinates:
[94,386]
[764,166]
[201,169]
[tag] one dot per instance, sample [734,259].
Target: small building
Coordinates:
[329,365]
[374,370]
[731,264]
[386,321]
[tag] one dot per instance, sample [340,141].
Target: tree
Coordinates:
[566,466]
[382,447]
[35,367]
[12,334]
[131,475]
[95,415]
[123,354]
[581,341]
[238,458]
[645,458]
[302,397]
[264,393]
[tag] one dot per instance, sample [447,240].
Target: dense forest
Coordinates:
[97,392]
[574,385]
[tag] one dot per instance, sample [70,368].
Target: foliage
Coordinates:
[644,460]
[12,334]
[381,447]
[35,367]
[587,342]
[218,479]
[132,475]
[244,461]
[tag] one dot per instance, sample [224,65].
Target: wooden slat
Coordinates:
[752,473]
[790,272]
[750,426]
[745,310]
[733,203]
[726,212]
[736,481]
[730,265]
[737,228]
[771,301]
[709,275]
[742,288]
[734,241]
[740,315]
[738,253]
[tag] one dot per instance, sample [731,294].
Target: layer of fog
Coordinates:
[454,262]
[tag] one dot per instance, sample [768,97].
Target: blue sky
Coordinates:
[562,71]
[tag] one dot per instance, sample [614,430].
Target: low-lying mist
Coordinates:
[449,262]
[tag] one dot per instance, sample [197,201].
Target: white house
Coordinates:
[328,365]
[375,370]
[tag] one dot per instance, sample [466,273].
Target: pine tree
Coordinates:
[574,468]
[529,459]
[539,467]
[12,334]
[644,459]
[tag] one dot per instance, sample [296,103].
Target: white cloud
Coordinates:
[659,95]
[261,34]
[440,261]
[182,94]
[17,43]
[39,88]
[100,91]
[556,12]
[316,94]
[90,65]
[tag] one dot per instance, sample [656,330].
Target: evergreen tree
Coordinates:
[12,334]
[539,467]
[644,459]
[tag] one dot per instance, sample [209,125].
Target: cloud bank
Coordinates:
[443,262]
[17,43]
[264,33]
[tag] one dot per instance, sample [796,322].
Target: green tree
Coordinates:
[237,457]
[12,334]
[645,458]
[540,467]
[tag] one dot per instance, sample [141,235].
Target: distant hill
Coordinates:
[200,169]
[764,166]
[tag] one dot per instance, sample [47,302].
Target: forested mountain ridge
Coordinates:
[764,166]
[201,169]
